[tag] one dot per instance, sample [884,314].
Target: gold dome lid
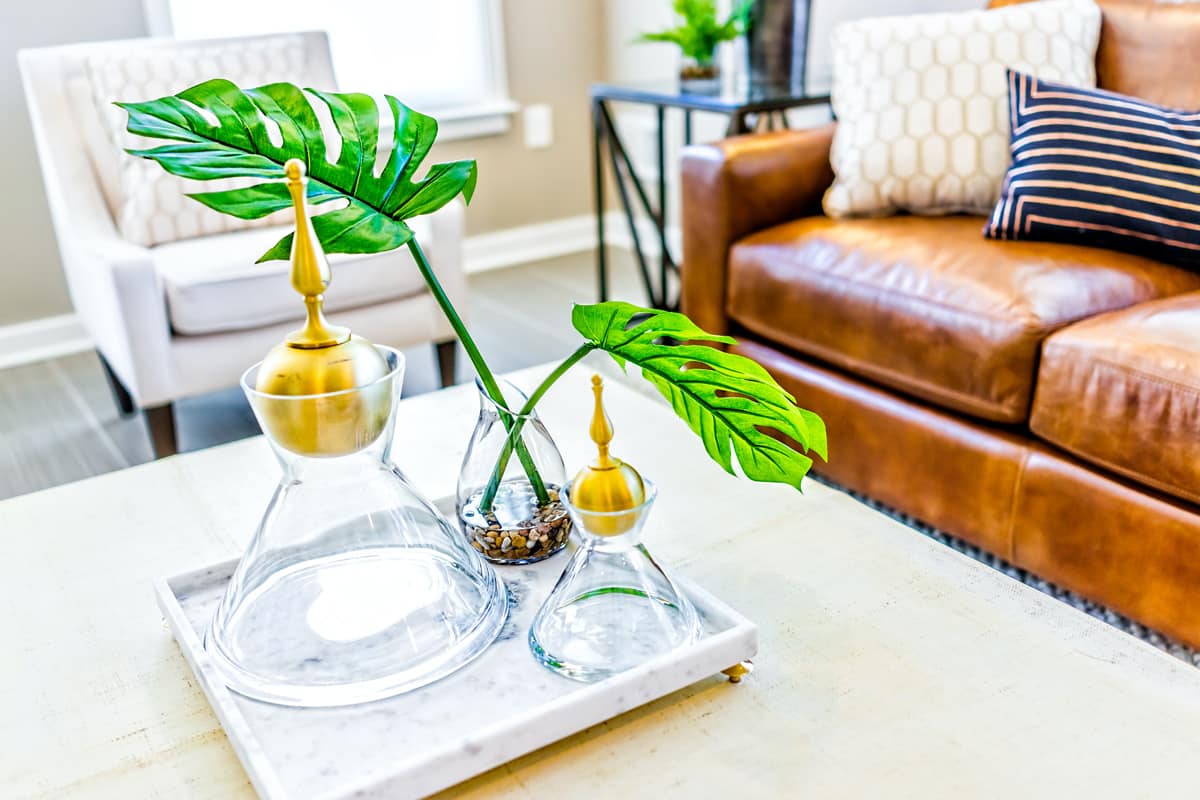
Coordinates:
[607,484]
[318,358]
[321,391]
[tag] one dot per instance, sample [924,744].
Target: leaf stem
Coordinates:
[490,385]
[489,493]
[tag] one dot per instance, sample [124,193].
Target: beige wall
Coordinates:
[33,281]
[555,49]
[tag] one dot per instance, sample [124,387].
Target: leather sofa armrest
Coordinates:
[735,187]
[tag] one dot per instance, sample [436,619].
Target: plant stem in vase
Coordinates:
[487,379]
[493,485]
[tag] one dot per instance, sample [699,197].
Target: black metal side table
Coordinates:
[750,107]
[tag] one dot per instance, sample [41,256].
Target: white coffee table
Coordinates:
[889,665]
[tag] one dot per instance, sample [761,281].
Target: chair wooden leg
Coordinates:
[161,421]
[447,358]
[121,395]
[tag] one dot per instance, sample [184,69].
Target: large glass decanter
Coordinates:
[354,587]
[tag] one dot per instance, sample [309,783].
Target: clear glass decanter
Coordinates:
[354,587]
[498,507]
[614,607]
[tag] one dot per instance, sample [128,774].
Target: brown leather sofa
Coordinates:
[1039,400]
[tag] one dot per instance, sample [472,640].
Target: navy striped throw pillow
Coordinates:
[1102,169]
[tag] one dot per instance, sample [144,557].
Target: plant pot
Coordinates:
[498,506]
[699,76]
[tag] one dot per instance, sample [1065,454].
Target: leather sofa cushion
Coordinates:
[212,283]
[1123,391]
[927,305]
[1147,49]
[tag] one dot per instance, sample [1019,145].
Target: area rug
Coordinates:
[1167,645]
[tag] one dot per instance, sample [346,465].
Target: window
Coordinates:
[444,58]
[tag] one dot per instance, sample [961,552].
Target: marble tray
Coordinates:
[465,724]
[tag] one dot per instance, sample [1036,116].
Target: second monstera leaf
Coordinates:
[729,401]
[216,130]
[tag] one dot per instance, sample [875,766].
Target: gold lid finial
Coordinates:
[310,269]
[319,359]
[601,430]
[607,484]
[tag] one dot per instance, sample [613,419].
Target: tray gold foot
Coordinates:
[736,672]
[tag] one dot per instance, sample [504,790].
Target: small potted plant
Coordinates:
[698,35]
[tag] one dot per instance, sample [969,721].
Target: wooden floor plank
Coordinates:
[84,373]
[47,438]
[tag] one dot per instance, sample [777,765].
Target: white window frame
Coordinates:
[489,117]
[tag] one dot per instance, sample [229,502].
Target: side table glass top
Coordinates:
[728,94]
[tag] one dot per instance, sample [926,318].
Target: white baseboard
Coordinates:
[616,234]
[51,337]
[41,339]
[509,248]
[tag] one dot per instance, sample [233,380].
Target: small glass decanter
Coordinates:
[354,587]
[614,607]
[499,508]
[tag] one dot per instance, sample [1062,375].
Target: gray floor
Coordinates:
[58,422]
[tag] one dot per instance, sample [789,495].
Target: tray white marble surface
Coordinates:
[501,706]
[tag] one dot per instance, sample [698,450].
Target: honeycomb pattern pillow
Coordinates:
[151,206]
[922,101]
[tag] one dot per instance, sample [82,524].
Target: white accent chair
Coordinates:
[187,317]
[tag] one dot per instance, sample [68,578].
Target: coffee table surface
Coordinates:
[890,666]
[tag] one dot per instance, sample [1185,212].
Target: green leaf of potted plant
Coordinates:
[698,34]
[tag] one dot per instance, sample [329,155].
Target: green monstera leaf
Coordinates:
[728,400]
[216,130]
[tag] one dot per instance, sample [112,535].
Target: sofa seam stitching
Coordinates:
[1154,483]
[972,403]
[1135,371]
[924,302]
[1018,486]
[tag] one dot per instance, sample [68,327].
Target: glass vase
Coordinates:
[354,587]
[614,607]
[777,44]
[500,509]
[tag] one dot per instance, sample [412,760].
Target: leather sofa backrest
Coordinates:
[1148,49]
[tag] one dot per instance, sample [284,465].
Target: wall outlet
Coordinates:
[539,126]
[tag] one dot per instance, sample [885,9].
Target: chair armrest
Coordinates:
[119,298]
[735,187]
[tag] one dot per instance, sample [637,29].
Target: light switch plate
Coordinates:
[539,126]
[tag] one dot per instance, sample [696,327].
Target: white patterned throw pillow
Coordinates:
[151,206]
[921,101]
